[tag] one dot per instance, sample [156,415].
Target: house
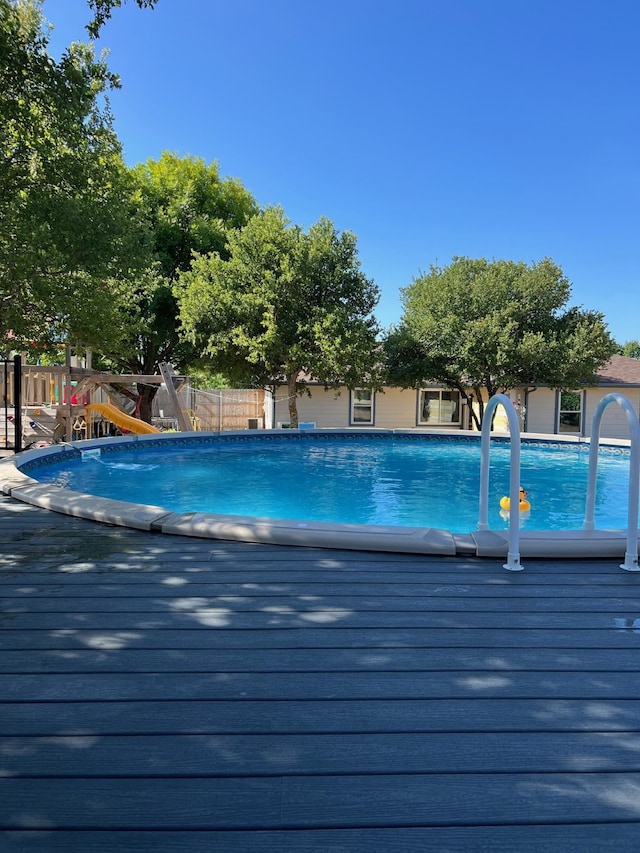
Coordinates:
[541,409]
[571,412]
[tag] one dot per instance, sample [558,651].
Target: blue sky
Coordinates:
[430,128]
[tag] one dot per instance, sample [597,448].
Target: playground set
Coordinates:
[49,404]
[42,405]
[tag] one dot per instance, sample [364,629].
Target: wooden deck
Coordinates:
[166,694]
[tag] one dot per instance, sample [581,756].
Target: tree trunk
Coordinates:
[146,396]
[479,398]
[469,400]
[293,399]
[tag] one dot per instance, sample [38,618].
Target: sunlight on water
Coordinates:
[391,481]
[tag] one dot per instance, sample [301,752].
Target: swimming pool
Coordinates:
[380,479]
[381,490]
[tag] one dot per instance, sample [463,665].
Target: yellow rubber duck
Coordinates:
[523,506]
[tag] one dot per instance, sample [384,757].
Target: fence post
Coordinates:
[17,403]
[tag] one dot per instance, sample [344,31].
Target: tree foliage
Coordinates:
[183,207]
[189,208]
[285,304]
[64,191]
[102,10]
[495,325]
[631,349]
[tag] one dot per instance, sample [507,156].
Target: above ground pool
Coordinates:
[374,486]
[376,479]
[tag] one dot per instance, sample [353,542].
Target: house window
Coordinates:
[361,406]
[437,406]
[570,412]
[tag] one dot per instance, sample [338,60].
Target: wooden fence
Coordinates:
[224,409]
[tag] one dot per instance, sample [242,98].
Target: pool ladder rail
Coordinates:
[513,563]
[631,555]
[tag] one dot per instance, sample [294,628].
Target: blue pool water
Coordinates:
[382,480]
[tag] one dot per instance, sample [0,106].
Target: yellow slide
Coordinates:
[118,417]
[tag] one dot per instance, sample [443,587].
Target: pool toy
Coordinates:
[524,505]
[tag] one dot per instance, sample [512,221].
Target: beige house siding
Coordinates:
[614,421]
[397,408]
[324,408]
[541,407]
[393,408]
[542,411]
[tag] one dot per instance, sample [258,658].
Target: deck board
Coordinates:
[377,684]
[364,593]
[379,753]
[254,657]
[63,718]
[186,606]
[623,622]
[305,802]
[568,838]
[160,693]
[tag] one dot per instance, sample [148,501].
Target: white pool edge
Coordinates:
[563,544]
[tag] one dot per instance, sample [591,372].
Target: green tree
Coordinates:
[189,208]
[102,10]
[65,196]
[495,325]
[631,349]
[183,207]
[285,305]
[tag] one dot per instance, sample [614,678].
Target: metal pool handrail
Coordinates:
[631,556]
[513,555]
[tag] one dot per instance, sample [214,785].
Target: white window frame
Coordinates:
[580,412]
[439,391]
[358,404]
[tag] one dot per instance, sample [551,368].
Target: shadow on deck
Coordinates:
[165,694]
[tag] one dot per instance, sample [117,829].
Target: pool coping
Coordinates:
[561,544]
